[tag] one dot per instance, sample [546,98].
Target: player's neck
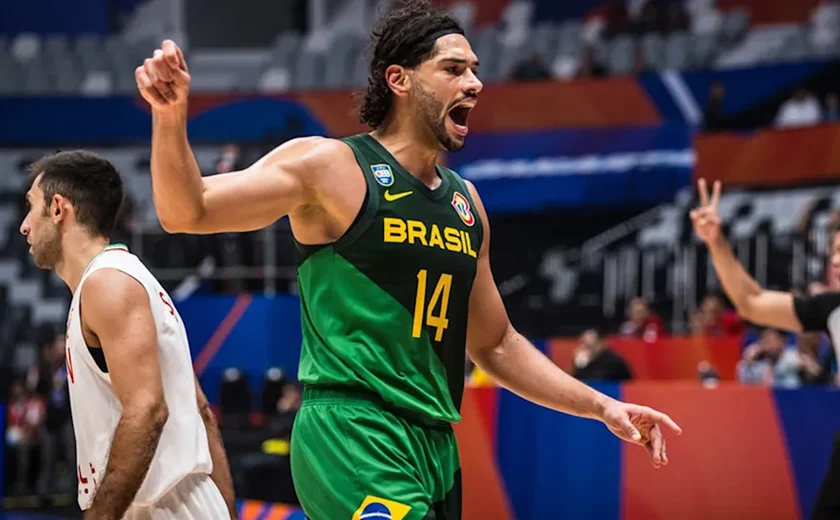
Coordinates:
[410,150]
[77,252]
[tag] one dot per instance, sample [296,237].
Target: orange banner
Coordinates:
[770,157]
[668,359]
[730,463]
[501,107]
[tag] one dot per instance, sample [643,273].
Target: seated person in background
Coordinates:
[816,358]
[718,321]
[768,362]
[641,323]
[595,361]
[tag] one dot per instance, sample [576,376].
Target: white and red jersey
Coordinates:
[183,447]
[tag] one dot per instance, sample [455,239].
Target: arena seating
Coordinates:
[334,58]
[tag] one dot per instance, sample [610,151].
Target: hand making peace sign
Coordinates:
[705,218]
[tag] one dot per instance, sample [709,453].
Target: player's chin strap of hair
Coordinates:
[432,38]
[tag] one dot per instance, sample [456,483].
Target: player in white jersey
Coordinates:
[147,444]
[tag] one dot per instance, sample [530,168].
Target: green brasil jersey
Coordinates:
[385,307]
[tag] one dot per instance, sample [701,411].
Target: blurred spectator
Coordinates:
[641,323]
[768,362]
[230,159]
[594,361]
[802,109]
[616,18]
[707,374]
[832,107]
[825,24]
[24,430]
[589,65]
[816,357]
[705,17]
[713,118]
[531,69]
[718,321]
[697,323]
[58,442]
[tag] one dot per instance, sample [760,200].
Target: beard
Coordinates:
[430,110]
[46,252]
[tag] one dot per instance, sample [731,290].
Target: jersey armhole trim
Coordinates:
[89,358]
[370,205]
[476,214]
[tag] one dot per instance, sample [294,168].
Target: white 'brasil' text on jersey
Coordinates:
[183,448]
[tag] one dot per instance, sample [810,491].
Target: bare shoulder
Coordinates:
[308,154]
[110,294]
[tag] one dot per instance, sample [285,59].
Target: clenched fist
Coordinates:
[163,79]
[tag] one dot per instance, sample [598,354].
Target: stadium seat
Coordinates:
[704,49]
[677,51]
[622,51]
[653,51]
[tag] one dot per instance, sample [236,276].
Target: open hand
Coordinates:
[705,218]
[640,425]
[163,79]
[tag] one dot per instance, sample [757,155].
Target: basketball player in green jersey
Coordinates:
[394,276]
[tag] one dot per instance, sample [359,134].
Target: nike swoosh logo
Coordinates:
[396,196]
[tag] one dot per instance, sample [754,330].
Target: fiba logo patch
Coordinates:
[462,207]
[383,174]
[375,508]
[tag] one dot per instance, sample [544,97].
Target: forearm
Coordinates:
[132,449]
[221,469]
[736,281]
[521,368]
[177,185]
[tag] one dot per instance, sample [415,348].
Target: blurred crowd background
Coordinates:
[596,119]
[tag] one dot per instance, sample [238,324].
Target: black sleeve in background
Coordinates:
[813,311]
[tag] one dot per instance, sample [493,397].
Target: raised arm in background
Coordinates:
[753,302]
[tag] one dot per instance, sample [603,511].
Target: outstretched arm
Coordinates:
[495,346]
[221,469]
[754,303]
[116,310]
[279,184]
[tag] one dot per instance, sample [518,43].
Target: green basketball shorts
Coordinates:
[353,459]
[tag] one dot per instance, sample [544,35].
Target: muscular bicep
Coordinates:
[116,308]
[488,321]
[279,184]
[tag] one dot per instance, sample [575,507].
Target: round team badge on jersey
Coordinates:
[462,207]
[383,174]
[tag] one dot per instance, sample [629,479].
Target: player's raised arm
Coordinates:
[754,303]
[277,185]
[502,352]
[117,313]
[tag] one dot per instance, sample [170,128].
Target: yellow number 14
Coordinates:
[441,293]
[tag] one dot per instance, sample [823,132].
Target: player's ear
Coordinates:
[398,80]
[58,208]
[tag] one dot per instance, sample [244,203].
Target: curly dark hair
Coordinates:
[401,37]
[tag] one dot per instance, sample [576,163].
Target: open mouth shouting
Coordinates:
[458,116]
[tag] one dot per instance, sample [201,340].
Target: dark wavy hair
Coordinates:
[401,37]
[91,184]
